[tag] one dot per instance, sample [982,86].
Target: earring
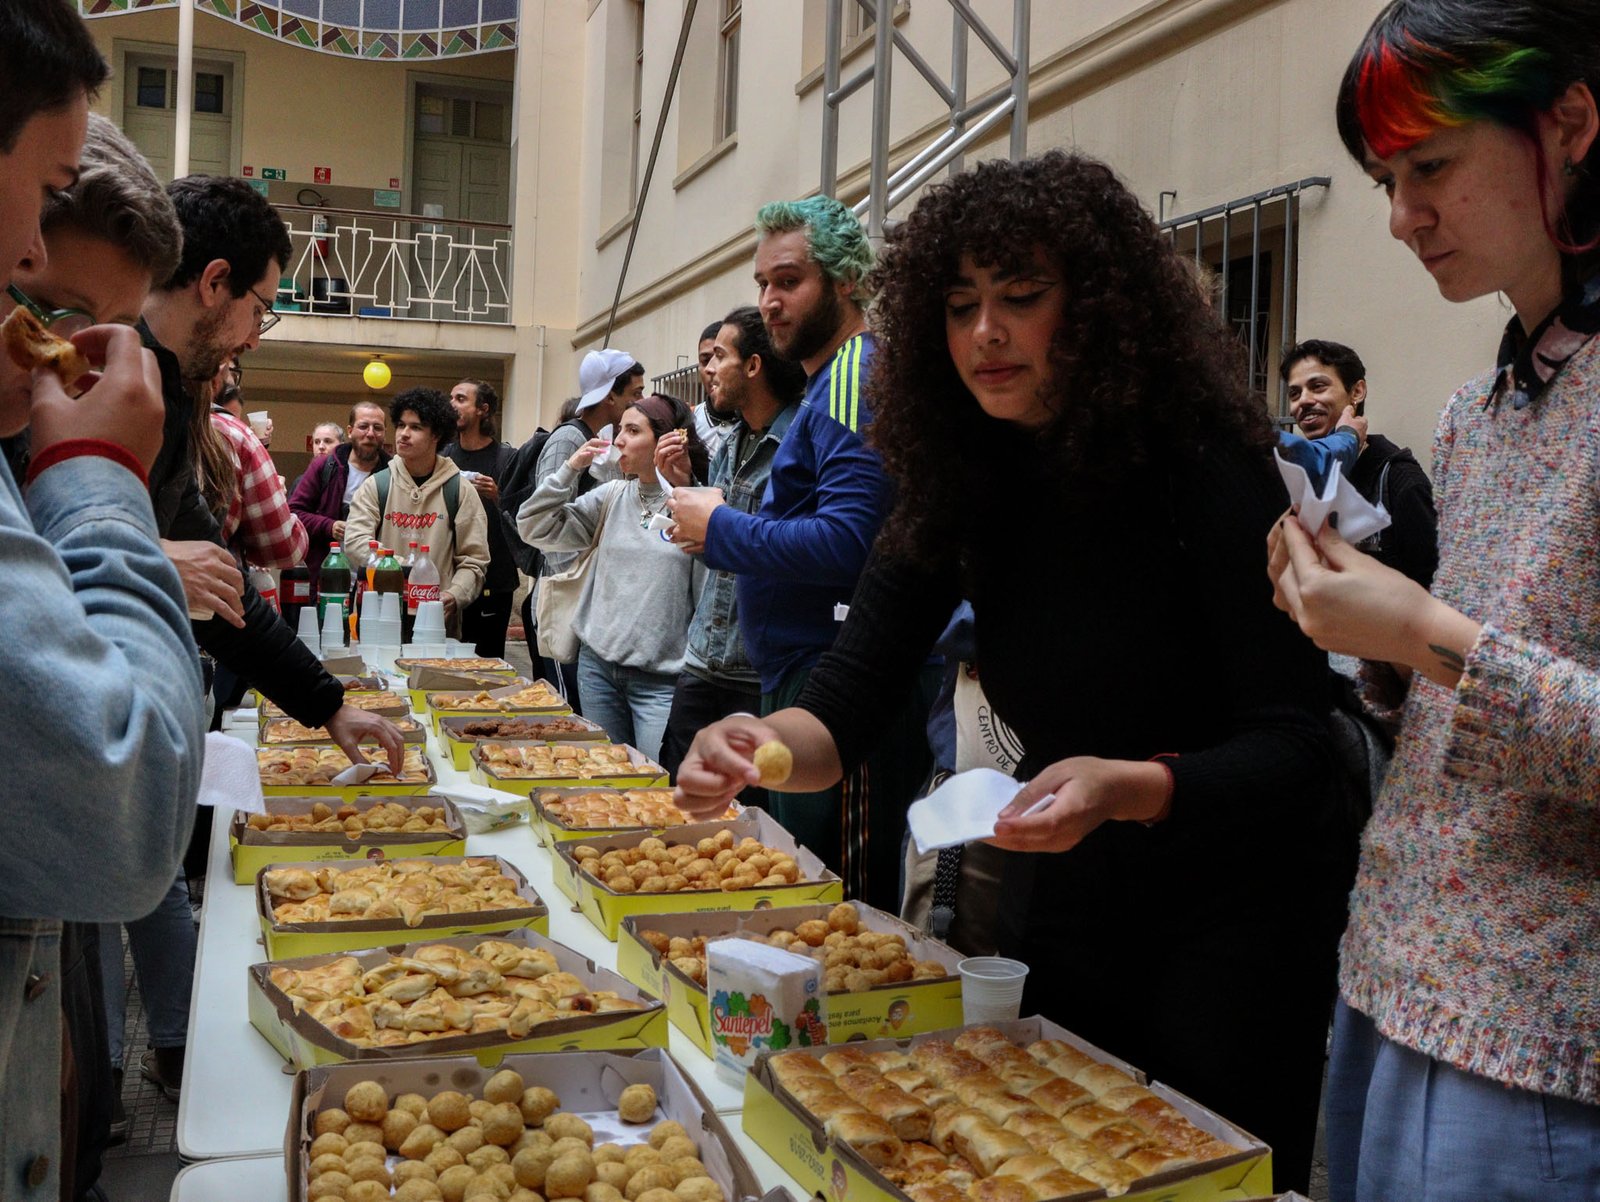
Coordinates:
[1569,167]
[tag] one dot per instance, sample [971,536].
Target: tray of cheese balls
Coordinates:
[458,736]
[566,813]
[326,771]
[1015,1112]
[524,767]
[316,828]
[311,907]
[744,863]
[589,1126]
[516,991]
[883,977]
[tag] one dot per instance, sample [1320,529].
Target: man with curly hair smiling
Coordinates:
[798,557]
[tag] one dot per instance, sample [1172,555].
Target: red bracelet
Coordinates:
[1165,811]
[73,448]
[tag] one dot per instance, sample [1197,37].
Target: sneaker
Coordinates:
[164,1068]
[119,1113]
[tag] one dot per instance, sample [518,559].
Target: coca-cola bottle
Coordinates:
[423,585]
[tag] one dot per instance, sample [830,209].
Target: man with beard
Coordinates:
[323,495]
[484,460]
[798,557]
[714,417]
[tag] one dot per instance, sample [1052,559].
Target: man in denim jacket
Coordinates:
[102,712]
[748,378]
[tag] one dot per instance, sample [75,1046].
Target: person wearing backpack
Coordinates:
[420,496]
[322,496]
[484,460]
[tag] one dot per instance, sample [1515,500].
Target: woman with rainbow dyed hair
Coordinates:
[1466,1052]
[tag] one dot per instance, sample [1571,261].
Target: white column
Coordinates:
[185,90]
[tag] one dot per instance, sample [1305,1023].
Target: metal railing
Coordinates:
[969,121]
[684,383]
[347,262]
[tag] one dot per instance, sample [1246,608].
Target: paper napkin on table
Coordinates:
[230,776]
[1358,518]
[963,809]
[484,809]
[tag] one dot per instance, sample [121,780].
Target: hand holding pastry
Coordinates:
[672,459]
[691,510]
[720,763]
[349,726]
[123,406]
[1085,792]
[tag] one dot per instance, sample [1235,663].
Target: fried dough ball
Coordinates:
[658,1195]
[367,1149]
[665,1130]
[636,1157]
[568,1176]
[413,1170]
[774,761]
[608,1153]
[397,1124]
[363,1133]
[413,1104]
[369,1168]
[329,1185]
[367,1191]
[332,1120]
[652,1176]
[538,1104]
[569,1145]
[477,1108]
[487,1189]
[328,1162]
[444,1157]
[467,1140]
[423,1139]
[613,1174]
[453,1182]
[504,1086]
[685,1167]
[448,1111]
[532,1137]
[530,1165]
[599,1191]
[676,1147]
[331,1141]
[637,1104]
[569,1126]
[525,1195]
[418,1190]
[486,1157]
[366,1102]
[502,1173]
[503,1124]
[700,1189]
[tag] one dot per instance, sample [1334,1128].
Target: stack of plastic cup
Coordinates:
[991,988]
[427,635]
[307,631]
[333,629]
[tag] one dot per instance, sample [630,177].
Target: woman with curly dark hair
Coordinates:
[1074,453]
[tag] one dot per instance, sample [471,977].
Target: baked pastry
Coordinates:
[774,761]
[381,702]
[470,664]
[715,862]
[316,766]
[601,809]
[536,696]
[521,728]
[406,891]
[287,730]
[31,346]
[574,761]
[383,818]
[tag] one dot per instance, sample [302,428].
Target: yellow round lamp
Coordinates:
[376,374]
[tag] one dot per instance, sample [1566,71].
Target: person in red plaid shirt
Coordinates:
[259,525]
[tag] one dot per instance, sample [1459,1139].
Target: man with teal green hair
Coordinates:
[798,557]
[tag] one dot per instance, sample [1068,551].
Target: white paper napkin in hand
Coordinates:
[1358,518]
[964,809]
[230,776]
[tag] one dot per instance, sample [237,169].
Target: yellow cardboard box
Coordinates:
[795,1139]
[370,788]
[303,1041]
[284,940]
[271,733]
[893,1010]
[645,771]
[382,702]
[447,704]
[606,909]
[253,850]
[588,1083]
[424,680]
[458,746]
[552,830]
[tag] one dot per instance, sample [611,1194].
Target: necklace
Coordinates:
[647,511]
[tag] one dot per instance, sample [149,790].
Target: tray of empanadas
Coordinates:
[523,767]
[469,663]
[383,702]
[562,813]
[518,697]
[286,732]
[513,991]
[1015,1112]
[310,906]
[318,828]
[459,735]
[318,769]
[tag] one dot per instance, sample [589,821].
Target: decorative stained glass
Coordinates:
[411,29]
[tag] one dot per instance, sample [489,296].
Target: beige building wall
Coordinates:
[1213,99]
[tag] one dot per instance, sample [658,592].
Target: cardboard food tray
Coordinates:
[411,731]
[311,938]
[795,1139]
[253,850]
[304,1042]
[459,746]
[588,1084]
[552,830]
[399,707]
[370,788]
[892,1010]
[644,772]
[438,704]
[407,664]
[606,909]
[352,684]
[422,681]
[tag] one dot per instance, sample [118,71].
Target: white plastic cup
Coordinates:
[333,627]
[430,619]
[389,611]
[308,623]
[371,607]
[260,422]
[991,989]
[456,649]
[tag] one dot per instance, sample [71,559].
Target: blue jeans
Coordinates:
[1404,1126]
[630,703]
[163,946]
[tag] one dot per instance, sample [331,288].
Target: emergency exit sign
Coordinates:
[274,173]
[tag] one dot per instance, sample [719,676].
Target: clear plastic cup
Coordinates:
[991,988]
[430,619]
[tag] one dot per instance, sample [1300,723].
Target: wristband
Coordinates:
[1165,811]
[73,448]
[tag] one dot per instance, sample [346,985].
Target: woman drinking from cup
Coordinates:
[1466,1053]
[1074,452]
[632,621]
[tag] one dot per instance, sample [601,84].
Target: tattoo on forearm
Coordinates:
[1450,658]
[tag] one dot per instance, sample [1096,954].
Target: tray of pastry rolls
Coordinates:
[458,736]
[564,813]
[573,1125]
[286,732]
[519,696]
[744,863]
[421,681]
[524,767]
[882,976]
[311,907]
[315,828]
[1015,1112]
[314,770]
[516,991]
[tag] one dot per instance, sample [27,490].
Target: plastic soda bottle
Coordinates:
[333,584]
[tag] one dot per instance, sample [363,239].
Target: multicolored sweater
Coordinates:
[1474,933]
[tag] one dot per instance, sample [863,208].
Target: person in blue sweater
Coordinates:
[798,557]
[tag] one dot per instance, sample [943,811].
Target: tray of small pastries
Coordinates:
[523,767]
[458,735]
[1015,1112]
[594,1125]
[471,663]
[313,906]
[316,828]
[286,771]
[382,702]
[563,813]
[286,732]
[515,991]
[518,697]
